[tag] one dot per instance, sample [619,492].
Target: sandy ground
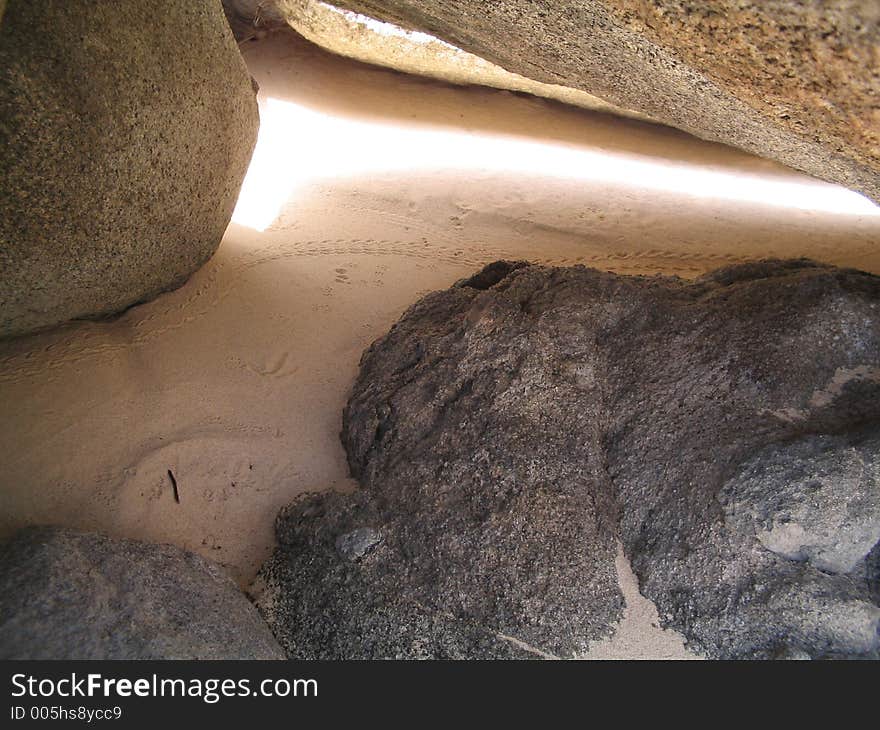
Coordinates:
[387,187]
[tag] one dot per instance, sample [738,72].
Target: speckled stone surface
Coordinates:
[508,430]
[66,594]
[126,129]
[792,80]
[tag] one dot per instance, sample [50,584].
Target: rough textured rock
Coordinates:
[324,603]
[489,540]
[506,430]
[825,505]
[356,36]
[745,409]
[465,559]
[792,80]
[126,129]
[74,595]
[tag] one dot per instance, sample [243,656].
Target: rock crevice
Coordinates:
[791,80]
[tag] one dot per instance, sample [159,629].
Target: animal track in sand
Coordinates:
[220,276]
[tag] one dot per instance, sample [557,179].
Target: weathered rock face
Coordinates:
[126,129]
[363,39]
[505,431]
[452,554]
[74,595]
[792,80]
[435,581]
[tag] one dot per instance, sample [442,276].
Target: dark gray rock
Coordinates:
[323,605]
[792,80]
[126,129]
[75,595]
[505,431]
[493,543]
[741,403]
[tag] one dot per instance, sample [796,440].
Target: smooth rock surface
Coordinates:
[791,80]
[75,595]
[507,429]
[370,41]
[126,129]
[360,250]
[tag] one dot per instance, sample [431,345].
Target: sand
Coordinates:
[388,187]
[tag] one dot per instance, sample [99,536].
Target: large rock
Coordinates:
[74,595]
[443,565]
[126,129]
[506,430]
[792,80]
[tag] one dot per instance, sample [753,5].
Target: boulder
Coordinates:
[791,80]
[449,569]
[126,129]
[363,39]
[508,431]
[74,595]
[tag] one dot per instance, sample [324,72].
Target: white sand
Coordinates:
[237,381]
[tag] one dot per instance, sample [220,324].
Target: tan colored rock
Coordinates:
[126,129]
[814,67]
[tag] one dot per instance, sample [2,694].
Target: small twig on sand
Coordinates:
[174,485]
